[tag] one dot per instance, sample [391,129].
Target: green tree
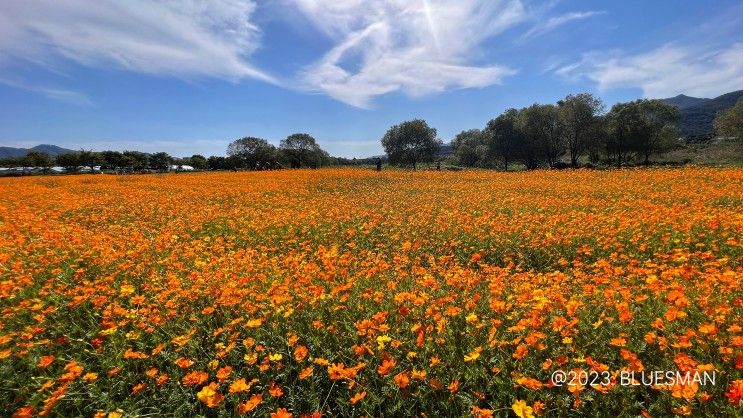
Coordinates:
[12,162]
[198,162]
[596,148]
[542,130]
[503,136]
[160,161]
[38,159]
[301,150]
[624,124]
[113,159]
[252,151]
[469,148]
[216,163]
[729,123]
[578,113]
[658,129]
[70,161]
[134,160]
[90,159]
[411,142]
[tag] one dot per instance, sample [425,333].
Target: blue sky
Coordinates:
[190,76]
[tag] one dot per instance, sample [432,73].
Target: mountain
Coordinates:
[51,150]
[682,101]
[697,115]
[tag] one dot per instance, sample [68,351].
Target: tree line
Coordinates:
[576,131]
[298,150]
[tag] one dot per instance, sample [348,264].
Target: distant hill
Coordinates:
[51,150]
[697,114]
[683,102]
[446,150]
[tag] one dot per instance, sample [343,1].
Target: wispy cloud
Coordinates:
[413,46]
[62,95]
[554,22]
[183,38]
[666,71]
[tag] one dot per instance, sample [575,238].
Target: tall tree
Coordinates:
[252,151]
[302,150]
[216,163]
[90,159]
[160,161]
[113,159]
[541,126]
[198,162]
[469,148]
[70,161]
[729,123]
[134,160]
[503,136]
[38,159]
[578,114]
[596,148]
[659,126]
[623,123]
[411,142]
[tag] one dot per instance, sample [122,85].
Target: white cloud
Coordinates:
[414,46]
[666,71]
[62,95]
[173,37]
[556,21]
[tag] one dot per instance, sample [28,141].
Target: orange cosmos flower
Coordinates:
[521,351]
[454,386]
[24,412]
[735,393]
[402,380]
[306,372]
[210,396]
[275,390]
[195,378]
[481,412]
[138,388]
[183,363]
[386,367]
[239,385]
[522,410]
[281,413]
[337,371]
[45,361]
[250,405]
[300,353]
[357,397]
[224,373]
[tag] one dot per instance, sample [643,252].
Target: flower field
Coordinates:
[345,292]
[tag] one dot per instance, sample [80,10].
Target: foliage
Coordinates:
[37,159]
[254,152]
[301,150]
[579,114]
[542,133]
[198,162]
[70,161]
[729,123]
[160,161]
[410,143]
[504,137]
[470,148]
